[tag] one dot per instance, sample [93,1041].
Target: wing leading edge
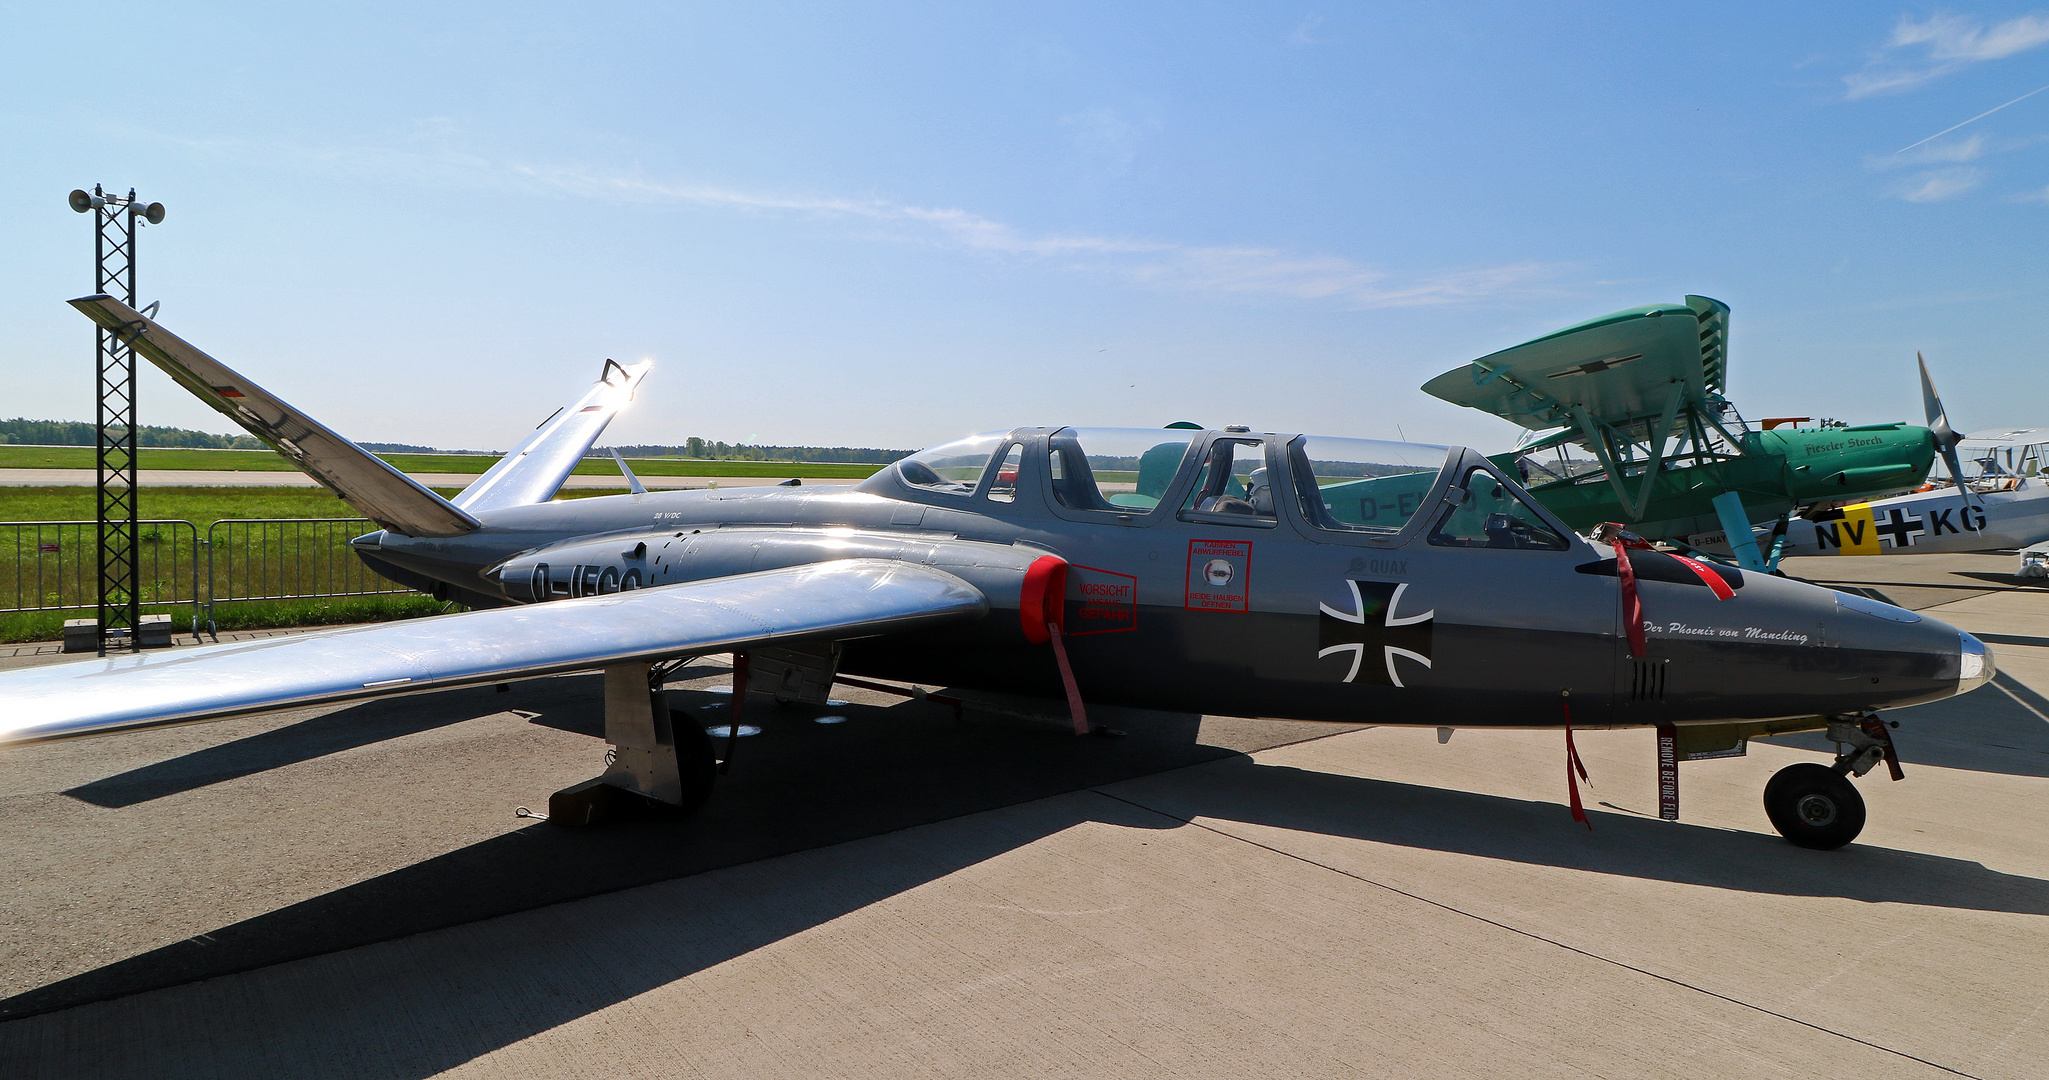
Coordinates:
[1619,368]
[841,599]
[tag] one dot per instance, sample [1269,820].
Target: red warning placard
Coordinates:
[1100,601]
[1219,575]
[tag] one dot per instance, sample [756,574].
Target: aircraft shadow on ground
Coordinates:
[568,704]
[821,789]
[1997,729]
[2006,581]
[798,786]
[1620,843]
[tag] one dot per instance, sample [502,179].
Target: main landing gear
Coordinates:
[662,762]
[1815,805]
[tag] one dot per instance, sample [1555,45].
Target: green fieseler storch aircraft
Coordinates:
[1642,391]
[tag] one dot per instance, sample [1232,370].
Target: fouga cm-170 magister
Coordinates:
[1227,572]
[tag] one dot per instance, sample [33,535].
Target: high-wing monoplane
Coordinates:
[1221,571]
[1642,390]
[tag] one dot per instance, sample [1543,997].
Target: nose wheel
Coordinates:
[1815,805]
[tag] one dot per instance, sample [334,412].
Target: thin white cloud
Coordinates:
[1249,270]
[1104,137]
[1960,37]
[1945,44]
[1941,153]
[1938,185]
[1182,267]
[1305,31]
[1868,83]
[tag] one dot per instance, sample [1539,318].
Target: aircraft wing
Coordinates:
[2007,437]
[1620,368]
[847,598]
[384,495]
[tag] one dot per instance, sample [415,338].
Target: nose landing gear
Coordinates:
[1815,805]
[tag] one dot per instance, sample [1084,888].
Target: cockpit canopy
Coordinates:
[1340,485]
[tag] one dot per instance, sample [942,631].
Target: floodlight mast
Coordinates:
[116,219]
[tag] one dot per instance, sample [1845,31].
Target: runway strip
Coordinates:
[256,478]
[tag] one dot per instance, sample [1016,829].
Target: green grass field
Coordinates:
[81,457]
[238,615]
[282,561]
[200,505]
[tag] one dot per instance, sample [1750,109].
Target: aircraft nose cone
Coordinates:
[1974,664]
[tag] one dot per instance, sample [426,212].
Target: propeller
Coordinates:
[1946,438]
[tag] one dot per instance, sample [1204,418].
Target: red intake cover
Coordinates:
[1044,598]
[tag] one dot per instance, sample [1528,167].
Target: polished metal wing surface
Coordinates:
[383,494]
[534,470]
[822,601]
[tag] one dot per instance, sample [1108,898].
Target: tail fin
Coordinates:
[383,494]
[534,470]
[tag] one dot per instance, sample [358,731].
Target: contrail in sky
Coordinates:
[1972,120]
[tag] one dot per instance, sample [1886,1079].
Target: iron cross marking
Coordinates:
[1900,527]
[1372,624]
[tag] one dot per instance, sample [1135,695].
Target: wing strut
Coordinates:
[1598,441]
[1659,437]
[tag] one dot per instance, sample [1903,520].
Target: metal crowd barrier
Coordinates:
[288,559]
[55,564]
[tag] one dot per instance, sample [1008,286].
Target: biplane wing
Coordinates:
[837,600]
[2007,437]
[1619,369]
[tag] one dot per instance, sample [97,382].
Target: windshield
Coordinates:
[1363,485]
[1490,515]
[953,468]
[1121,469]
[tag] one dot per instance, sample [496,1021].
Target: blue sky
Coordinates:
[888,224]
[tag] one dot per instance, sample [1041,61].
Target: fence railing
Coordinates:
[288,559]
[55,564]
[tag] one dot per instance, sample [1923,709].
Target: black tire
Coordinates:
[696,760]
[1814,806]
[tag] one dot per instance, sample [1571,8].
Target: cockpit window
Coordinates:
[1492,516]
[1003,486]
[1120,469]
[1363,485]
[953,468]
[1233,484]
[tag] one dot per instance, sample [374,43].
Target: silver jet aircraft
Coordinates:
[1227,572]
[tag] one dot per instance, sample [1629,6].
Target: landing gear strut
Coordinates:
[662,762]
[1815,805]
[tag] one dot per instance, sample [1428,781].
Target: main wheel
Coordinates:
[696,760]
[1814,806]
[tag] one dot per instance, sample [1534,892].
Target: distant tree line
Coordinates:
[79,433]
[720,451]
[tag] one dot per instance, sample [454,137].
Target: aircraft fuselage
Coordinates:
[1255,614]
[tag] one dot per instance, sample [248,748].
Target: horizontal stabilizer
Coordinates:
[534,471]
[365,481]
[821,601]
